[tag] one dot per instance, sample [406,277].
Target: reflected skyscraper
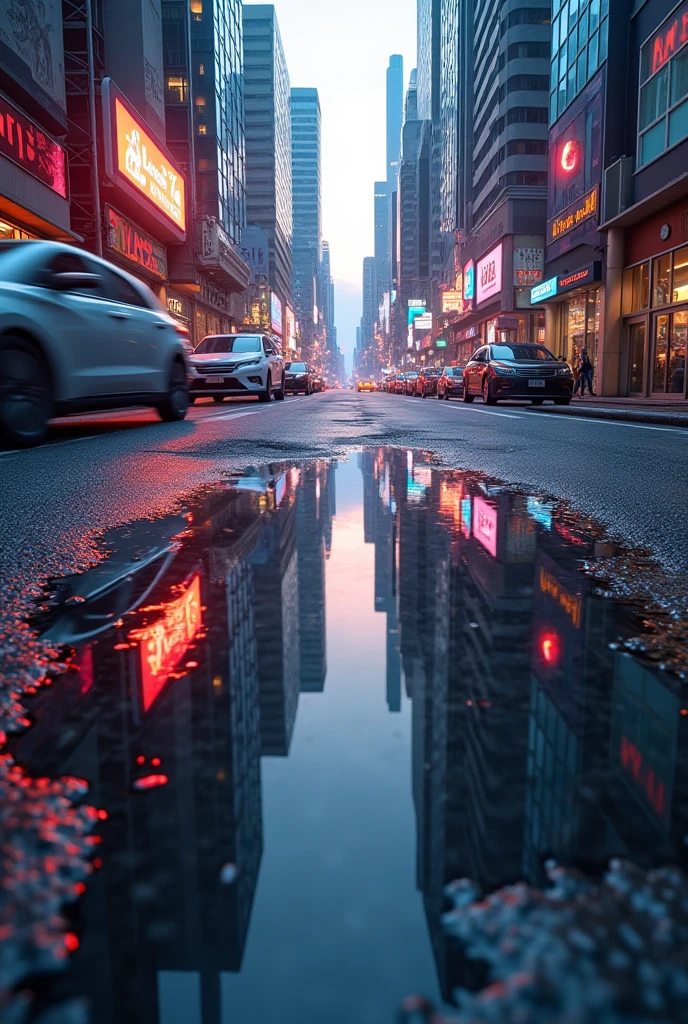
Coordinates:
[314,541]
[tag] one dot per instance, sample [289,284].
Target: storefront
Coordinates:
[574,304]
[136,251]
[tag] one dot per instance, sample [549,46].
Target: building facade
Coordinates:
[307,207]
[269,201]
[369,317]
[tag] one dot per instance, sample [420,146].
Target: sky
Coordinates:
[342,48]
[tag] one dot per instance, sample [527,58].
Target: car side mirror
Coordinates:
[72,281]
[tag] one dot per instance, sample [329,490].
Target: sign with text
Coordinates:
[529,265]
[671,37]
[489,275]
[136,163]
[573,215]
[28,146]
[129,241]
[452,301]
[485,525]
[469,284]
[585,275]
[546,290]
[276,314]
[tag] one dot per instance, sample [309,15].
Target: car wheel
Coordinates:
[488,397]
[219,399]
[423,394]
[279,394]
[562,401]
[537,401]
[26,392]
[446,396]
[467,397]
[175,405]
[266,395]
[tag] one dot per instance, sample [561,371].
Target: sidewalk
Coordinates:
[630,410]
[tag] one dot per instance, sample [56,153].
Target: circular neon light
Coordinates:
[569,156]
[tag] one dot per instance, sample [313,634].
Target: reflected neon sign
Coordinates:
[485,525]
[164,643]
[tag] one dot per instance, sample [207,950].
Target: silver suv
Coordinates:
[78,334]
[237,364]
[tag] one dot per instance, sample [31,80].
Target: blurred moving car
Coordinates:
[317,383]
[517,371]
[236,364]
[366,385]
[427,381]
[411,381]
[78,334]
[297,379]
[450,384]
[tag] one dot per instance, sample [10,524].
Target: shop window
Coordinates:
[677,353]
[10,231]
[660,357]
[636,288]
[637,353]
[661,280]
[680,285]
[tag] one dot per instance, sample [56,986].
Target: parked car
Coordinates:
[298,379]
[78,334]
[517,370]
[236,364]
[450,384]
[400,384]
[388,383]
[317,383]
[366,385]
[427,381]
[411,381]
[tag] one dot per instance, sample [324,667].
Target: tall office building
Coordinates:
[326,288]
[307,203]
[268,143]
[369,306]
[382,246]
[395,110]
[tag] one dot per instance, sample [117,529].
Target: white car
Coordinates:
[77,334]
[237,364]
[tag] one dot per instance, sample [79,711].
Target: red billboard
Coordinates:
[28,146]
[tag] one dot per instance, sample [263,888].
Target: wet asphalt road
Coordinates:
[101,471]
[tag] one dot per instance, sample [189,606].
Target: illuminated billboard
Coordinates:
[290,324]
[139,166]
[469,283]
[32,149]
[485,525]
[489,275]
[276,324]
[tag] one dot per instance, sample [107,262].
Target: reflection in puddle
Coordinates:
[464,711]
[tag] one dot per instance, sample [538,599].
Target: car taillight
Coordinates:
[182,330]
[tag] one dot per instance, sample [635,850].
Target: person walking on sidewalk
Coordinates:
[586,372]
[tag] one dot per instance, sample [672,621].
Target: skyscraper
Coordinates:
[382,247]
[327,297]
[307,205]
[268,142]
[369,305]
[395,110]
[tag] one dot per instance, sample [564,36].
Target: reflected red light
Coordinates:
[165,642]
[550,648]
[156,762]
[140,759]
[151,782]
[71,942]
[569,156]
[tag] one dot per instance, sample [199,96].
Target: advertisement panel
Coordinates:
[28,146]
[139,166]
[290,331]
[485,525]
[529,265]
[452,301]
[276,323]
[129,241]
[469,285]
[32,31]
[489,275]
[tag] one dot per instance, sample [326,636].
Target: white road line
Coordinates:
[622,423]
[253,412]
[51,444]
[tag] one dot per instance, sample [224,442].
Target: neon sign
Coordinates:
[571,605]
[646,780]
[574,215]
[485,525]
[28,146]
[490,274]
[568,159]
[125,238]
[669,40]
[163,644]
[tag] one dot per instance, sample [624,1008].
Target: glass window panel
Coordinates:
[571,84]
[652,143]
[603,41]
[678,124]
[594,15]
[679,76]
[562,95]
[581,69]
[555,73]
[660,355]
[573,13]
[661,279]
[555,35]
[583,28]
[604,9]
[680,288]
[563,26]
[637,353]
[636,288]
[677,353]
[553,107]
[592,52]
[573,44]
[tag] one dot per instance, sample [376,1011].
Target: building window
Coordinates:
[680,282]
[636,288]
[202,129]
[663,100]
[579,47]
[201,69]
[176,89]
[661,280]
[196,10]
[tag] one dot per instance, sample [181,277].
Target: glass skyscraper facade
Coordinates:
[579,46]
[307,204]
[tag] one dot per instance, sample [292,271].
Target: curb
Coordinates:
[620,416]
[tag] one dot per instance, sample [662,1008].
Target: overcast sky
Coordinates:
[342,48]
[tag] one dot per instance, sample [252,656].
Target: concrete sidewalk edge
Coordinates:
[668,419]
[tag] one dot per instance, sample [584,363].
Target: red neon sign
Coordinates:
[647,782]
[163,644]
[669,40]
[569,156]
[550,649]
[26,145]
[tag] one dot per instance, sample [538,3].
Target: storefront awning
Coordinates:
[669,193]
[34,224]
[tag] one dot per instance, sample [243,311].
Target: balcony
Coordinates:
[218,259]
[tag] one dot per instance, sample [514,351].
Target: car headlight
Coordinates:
[565,371]
[251,362]
[504,371]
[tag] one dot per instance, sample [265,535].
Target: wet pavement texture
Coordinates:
[268,731]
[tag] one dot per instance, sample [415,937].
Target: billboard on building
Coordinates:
[290,329]
[276,322]
[32,149]
[32,31]
[489,275]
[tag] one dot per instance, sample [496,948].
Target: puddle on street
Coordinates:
[309,704]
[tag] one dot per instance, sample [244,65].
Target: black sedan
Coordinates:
[298,378]
[517,370]
[450,384]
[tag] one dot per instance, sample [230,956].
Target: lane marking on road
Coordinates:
[622,423]
[253,412]
[484,412]
[50,444]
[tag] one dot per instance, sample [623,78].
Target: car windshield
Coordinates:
[236,343]
[454,371]
[411,376]
[432,372]
[521,353]
[295,367]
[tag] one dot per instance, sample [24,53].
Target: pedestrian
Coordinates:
[587,371]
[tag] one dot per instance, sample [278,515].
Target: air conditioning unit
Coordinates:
[618,188]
